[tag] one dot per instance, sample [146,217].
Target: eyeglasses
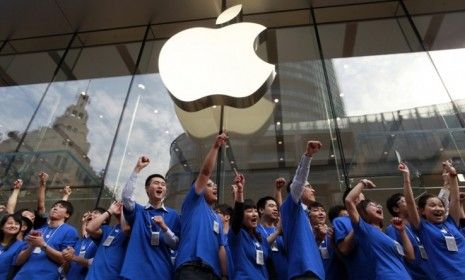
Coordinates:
[211,184]
[379,206]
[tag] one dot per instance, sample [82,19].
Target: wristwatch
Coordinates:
[44,247]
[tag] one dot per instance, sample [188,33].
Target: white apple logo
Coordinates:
[202,67]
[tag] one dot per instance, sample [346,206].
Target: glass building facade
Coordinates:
[81,97]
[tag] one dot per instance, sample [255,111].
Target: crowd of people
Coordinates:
[274,238]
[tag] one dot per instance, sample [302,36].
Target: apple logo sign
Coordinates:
[202,67]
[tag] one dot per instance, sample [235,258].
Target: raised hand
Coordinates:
[43,177]
[115,208]
[398,223]
[221,140]
[67,190]
[142,162]
[280,183]
[17,184]
[368,184]
[313,147]
[403,168]
[239,181]
[449,168]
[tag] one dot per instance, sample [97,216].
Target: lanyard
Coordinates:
[48,235]
[445,231]
[409,232]
[150,223]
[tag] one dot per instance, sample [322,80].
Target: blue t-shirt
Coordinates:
[201,233]
[229,256]
[277,252]
[244,249]
[8,257]
[86,248]
[155,259]
[358,265]
[334,268]
[382,249]
[39,266]
[444,264]
[418,268]
[108,259]
[299,241]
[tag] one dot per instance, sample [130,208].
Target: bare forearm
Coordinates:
[24,256]
[413,216]
[41,199]
[55,255]
[12,200]
[409,252]
[207,168]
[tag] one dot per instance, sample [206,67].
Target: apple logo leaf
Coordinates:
[202,67]
[229,15]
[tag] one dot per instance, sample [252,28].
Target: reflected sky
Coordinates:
[383,83]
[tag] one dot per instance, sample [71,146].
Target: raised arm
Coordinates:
[454,203]
[352,198]
[279,185]
[13,199]
[238,215]
[444,193]
[94,226]
[209,163]
[413,216]
[66,193]
[303,169]
[128,197]
[399,225]
[43,177]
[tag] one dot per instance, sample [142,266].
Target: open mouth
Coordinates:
[380,212]
[438,214]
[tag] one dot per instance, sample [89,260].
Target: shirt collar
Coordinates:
[149,206]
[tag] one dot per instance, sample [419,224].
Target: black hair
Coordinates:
[424,199]
[101,211]
[20,211]
[225,209]
[149,179]
[261,203]
[28,223]
[392,201]
[66,204]
[17,219]
[249,203]
[362,209]
[335,211]
[315,204]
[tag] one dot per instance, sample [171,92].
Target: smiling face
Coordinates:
[156,189]
[250,220]
[317,215]
[371,212]
[434,210]
[11,227]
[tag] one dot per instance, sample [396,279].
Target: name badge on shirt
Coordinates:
[37,250]
[399,248]
[423,252]
[216,227]
[259,257]
[451,244]
[324,252]
[155,238]
[108,241]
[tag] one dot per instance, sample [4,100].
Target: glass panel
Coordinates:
[71,136]
[393,100]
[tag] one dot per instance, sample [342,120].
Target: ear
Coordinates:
[261,210]
[227,217]
[395,209]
